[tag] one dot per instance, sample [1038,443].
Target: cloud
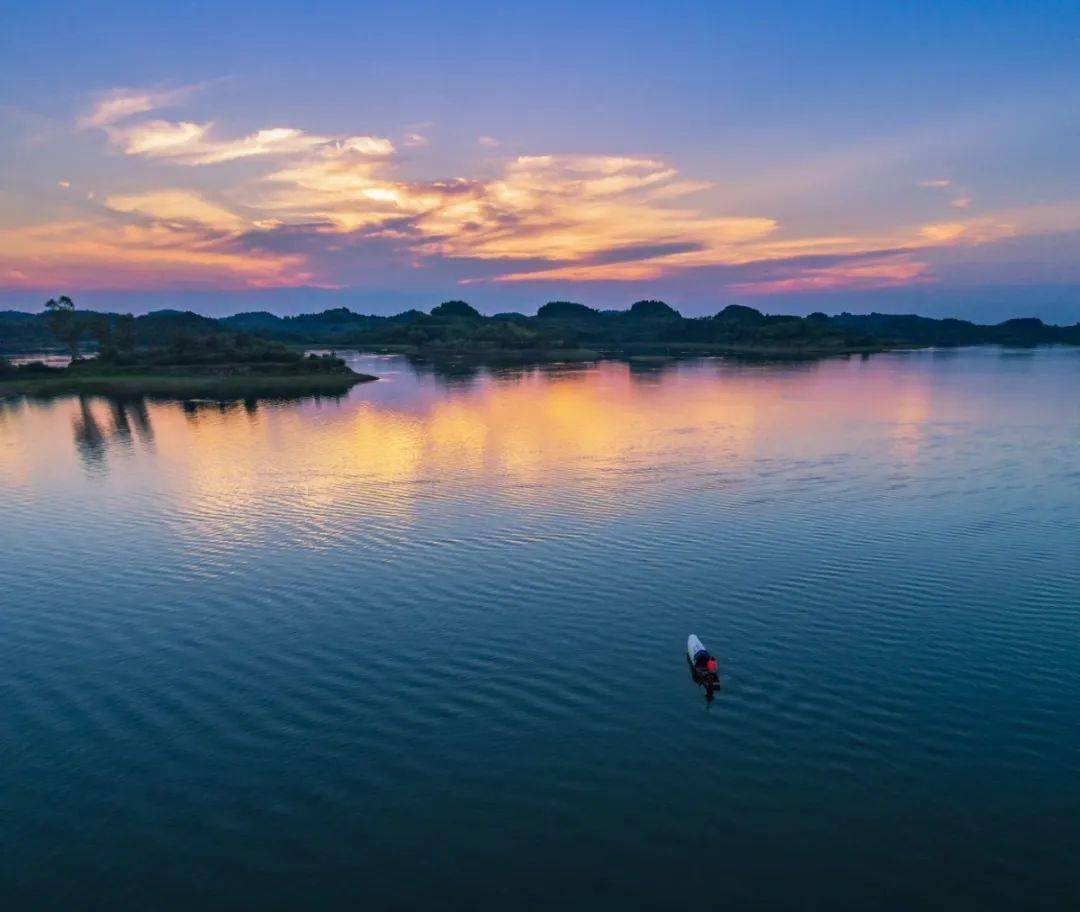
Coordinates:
[561,214]
[176,206]
[160,138]
[855,275]
[190,143]
[973,231]
[196,143]
[960,198]
[309,208]
[569,209]
[103,253]
[344,187]
[374,146]
[587,272]
[489,141]
[120,104]
[943,232]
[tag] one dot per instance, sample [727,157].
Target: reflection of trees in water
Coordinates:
[652,370]
[130,418]
[128,412]
[193,408]
[448,373]
[10,408]
[139,414]
[121,423]
[89,439]
[643,369]
[465,373]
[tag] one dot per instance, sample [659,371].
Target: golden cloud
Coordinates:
[538,218]
[885,272]
[971,231]
[177,206]
[100,253]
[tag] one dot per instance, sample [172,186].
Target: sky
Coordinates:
[891,156]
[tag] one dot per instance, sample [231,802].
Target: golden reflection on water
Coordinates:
[604,429]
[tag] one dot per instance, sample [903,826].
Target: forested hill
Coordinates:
[563,325]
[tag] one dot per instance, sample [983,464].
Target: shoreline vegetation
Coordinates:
[186,384]
[230,364]
[176,354]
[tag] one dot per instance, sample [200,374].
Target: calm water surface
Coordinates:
[424,645]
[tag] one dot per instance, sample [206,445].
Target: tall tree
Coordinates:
[63,323]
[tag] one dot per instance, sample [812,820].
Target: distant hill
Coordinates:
[566,326]
[909,329]
[23,331]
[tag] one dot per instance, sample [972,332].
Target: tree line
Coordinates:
[114,334]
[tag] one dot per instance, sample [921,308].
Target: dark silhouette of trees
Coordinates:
[101,331]
[653,310]
[458,309]
[64,323]
[455,328]
[566,310]
[124,334]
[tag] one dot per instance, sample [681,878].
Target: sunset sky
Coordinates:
[290,157]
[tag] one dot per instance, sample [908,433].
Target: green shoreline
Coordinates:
[185,386]
[229,386]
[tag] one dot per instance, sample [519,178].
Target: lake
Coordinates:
[424,645]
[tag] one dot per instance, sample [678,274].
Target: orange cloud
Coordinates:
[570,209]
[101,253]
[176,206]
[972,231]
[538,218]
[609,272]
[942,233]
[887,272]
[563,209]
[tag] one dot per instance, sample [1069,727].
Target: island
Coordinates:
[226,365]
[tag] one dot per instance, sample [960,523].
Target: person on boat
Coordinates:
[705,664]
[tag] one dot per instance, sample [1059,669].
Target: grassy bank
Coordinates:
[201,368]
[183,386]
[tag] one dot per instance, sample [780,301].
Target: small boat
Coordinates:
[703,667]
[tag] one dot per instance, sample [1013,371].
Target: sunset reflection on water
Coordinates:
[603,437]
[598,427]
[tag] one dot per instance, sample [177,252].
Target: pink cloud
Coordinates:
[886,272]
